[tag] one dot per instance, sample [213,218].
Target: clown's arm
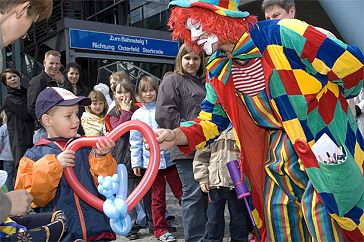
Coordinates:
[200,132]
[330,57]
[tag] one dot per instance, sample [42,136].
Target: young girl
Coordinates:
[5,153]
[120,112]
[147,91]
[92,119]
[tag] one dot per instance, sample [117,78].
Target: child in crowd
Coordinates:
[124,98]
[40,170]
[210,171]
[92,119]
[147,90]
[101,87]
[6,158]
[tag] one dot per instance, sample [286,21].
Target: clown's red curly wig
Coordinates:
[227,29]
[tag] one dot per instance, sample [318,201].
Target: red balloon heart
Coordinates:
[147,180]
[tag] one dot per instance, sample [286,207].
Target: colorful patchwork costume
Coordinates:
[307,79]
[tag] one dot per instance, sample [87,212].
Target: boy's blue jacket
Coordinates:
[40,174]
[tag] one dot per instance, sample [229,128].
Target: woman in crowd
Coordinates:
[20,122]
[73,73]
[179,98]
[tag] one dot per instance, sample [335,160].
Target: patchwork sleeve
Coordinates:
[211,121]
[40,178]
[327,58]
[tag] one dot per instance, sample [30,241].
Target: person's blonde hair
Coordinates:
[52,52]
[40,8]
[145,83]
[3,117]
[184,50]
[97,96]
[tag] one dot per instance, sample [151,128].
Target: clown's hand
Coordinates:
[168,138]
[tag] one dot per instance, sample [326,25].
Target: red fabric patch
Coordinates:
[311,47]
[311,102]
[332,76]
[224,4]
[353,79]
[327,105]
[289,82]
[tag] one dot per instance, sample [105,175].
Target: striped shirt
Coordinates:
[249,79]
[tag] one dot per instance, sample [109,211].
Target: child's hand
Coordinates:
[66,158]
[104,146]
[137,171]
[125,104]
[204,187]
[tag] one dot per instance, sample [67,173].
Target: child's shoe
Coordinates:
[167,237]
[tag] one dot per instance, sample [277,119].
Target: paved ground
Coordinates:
[175,209]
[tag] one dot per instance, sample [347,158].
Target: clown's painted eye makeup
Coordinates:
[194,26]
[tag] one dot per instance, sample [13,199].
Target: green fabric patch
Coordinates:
[211,95]
[4,188]
[315,122]
[338,126]
[275,85]
[299,105]
[292,40]
[344,181]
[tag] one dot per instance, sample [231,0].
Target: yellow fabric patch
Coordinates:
[320,66]
[279,59]
[274,106]
[307,83]
[345,223]
[346,64]
[294,24]
[220,12]
[361,224]
[359,156]
[334,88]
[232,5]
[209,129]
[294,130]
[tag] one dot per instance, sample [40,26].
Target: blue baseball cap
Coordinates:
[56,96]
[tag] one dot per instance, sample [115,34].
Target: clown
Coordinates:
[279,83]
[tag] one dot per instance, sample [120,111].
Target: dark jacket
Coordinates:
[20,122]
[179,98]
[121,151]
[36,85]
[40,174]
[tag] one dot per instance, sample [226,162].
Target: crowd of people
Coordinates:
[258,95]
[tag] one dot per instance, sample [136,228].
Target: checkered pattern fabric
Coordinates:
[308,78]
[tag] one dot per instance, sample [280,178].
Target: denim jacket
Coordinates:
[139,155]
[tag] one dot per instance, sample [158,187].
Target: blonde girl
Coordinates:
[147,91]
[92,119]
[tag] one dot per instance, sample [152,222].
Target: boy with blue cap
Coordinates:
[41,168]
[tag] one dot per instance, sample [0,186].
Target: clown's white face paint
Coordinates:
[197,34]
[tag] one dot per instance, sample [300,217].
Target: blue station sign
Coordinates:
[92,40]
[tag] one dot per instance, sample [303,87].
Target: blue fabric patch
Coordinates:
[330,202]
[329,52]
[285,108]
